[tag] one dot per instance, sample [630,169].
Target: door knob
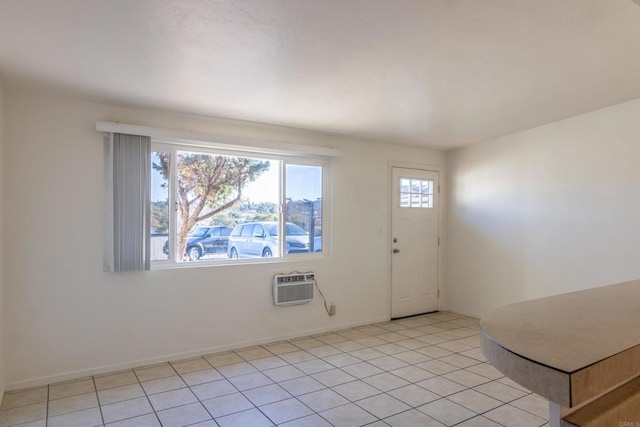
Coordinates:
[396,250]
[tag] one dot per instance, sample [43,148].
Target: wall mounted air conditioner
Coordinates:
[295,288]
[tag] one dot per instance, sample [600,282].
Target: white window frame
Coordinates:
[162,145]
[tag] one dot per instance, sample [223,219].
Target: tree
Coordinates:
[160,216]
[207,185]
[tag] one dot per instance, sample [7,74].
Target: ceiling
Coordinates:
[434,73]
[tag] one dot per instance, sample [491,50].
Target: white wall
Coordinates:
[545,211]
[2,310]
[66,318]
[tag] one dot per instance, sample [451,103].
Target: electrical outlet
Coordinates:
[332,309]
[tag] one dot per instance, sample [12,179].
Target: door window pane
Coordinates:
[416,193]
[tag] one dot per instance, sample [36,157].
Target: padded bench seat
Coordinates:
[619,407]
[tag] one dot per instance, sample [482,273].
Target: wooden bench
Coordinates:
[618,408]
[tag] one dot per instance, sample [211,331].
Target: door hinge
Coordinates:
[438,240]
[438,188]
[438,293]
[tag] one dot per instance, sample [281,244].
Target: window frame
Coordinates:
[284,159]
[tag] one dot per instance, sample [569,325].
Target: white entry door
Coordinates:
[414,234]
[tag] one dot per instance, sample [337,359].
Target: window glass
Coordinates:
[159,206]
[238,201]
[247,231]
[303,208]
[416,193]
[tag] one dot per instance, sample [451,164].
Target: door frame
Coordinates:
[442,183]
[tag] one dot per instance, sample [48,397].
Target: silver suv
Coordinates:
[260,239]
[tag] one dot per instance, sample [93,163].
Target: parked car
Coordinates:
[204,241]
[260,239]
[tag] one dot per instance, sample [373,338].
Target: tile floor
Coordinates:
[421,371]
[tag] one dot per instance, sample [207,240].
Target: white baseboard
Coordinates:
[73,375]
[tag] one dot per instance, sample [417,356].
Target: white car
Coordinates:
[260,239]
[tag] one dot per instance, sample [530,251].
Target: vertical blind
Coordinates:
[131,159]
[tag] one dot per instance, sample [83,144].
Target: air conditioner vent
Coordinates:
[289,289]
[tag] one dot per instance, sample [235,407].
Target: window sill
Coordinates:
[166,265]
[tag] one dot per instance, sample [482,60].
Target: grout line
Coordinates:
[98,400]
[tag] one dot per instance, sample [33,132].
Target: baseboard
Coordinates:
[73,375]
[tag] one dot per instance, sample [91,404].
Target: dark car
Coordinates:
[205,240]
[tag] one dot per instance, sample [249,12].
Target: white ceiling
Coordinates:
[436,73]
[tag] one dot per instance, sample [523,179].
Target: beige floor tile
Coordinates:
[511,383]
[455,346]
[309,421]
[285,410]
[485,370]
[183,415]
[149,420]
[213,389]
[348,416]
[23,414]
[385,381]
[390,348]
[153,373]
[447,412]
[478,421]
[434,352]
[533,404]
[412,418]
[201,377]
[441,386]
[323,351]
[411,344]
[475,401]
[298,356]
[500,391]
[126,409]
[225,405]
[223,359]
[341,360]
[301,385]
[367,354]
[331,338]
[356,390]
[475,353]
[119,379]
[86,418]
[370,341]
[237,369]
[333,377]
[266,394]
[73,388]
[362,370]
[382,405]
[412,373]
[314,366]
[190,365]
[249,418]
[437,367]
[412,357]
[413,395]
[72,404]
[510,416]
[254,353]
[388,363]
[348,346]
[322,400]
[281,348]
[307,343]
[24,398]
[466,378]
[163,384]
[249,381]
[284,373]
[118,394]
[459,360]
[268,363]
[171,399]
